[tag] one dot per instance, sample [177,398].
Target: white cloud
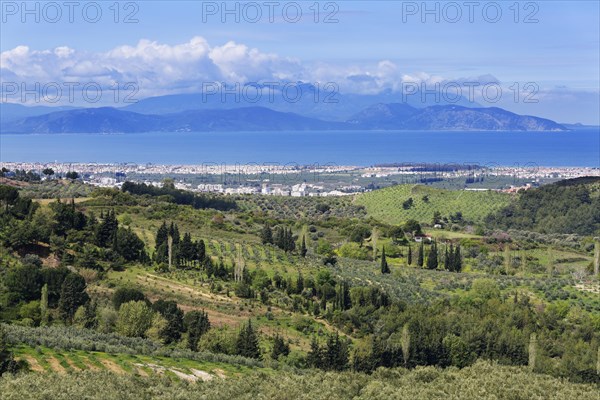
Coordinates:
[159,69]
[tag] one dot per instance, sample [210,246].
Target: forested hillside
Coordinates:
[566,207]
[252,294]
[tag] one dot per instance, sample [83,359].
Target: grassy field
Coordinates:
[386,204]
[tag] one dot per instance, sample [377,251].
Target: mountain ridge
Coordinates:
[392,116]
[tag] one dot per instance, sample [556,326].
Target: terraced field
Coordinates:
[386,204]
[46,360]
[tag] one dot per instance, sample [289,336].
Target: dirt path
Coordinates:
[112,366]
[34,365]
[194,376]
[55,365]
[90,365]
[170,284]
[140,371]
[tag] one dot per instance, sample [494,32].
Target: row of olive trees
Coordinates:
[483,381]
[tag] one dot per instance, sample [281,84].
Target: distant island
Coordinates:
[381,116]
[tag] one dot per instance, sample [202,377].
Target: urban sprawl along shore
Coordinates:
[299,180]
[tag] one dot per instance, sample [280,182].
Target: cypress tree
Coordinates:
[266,234]
[44,305]
[420,255]
[409,259]
[342,297]
[186,252]
[200,250]
[314,359]
[289,242]
[457,260]
[174,233]
[385,269]
[432,257]
[72,295]
[449,258]
[303,247]
[299,284]
[278,237]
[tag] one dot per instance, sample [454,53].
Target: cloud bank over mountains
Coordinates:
[161,69]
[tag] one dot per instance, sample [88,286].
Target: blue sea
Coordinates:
[579,147]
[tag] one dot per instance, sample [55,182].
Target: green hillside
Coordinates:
[566,207]
[265,297]
[386,204]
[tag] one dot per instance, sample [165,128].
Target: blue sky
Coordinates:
[559,52]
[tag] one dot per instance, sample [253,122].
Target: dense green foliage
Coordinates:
[563,207]
[483,381]
[177,196]
[8,364]
[307,283]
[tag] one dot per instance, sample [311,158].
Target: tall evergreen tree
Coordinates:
[174,316]
[420,255]
[196,324]
[247,342]
[290,245]
[129,245]
[266,235]
[303,249]
[162,234]
[432,257]
[457,260]
[385,269]
[72,295]
[335,356]
[342,297]
[409,257]
[107,230]
[280,347]
[174,233]
[44,305]
[299,284]
[201,251]
[314,358]
[448,258]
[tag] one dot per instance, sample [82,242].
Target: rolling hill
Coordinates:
[386,204]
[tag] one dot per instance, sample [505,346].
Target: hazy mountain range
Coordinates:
[198,112]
